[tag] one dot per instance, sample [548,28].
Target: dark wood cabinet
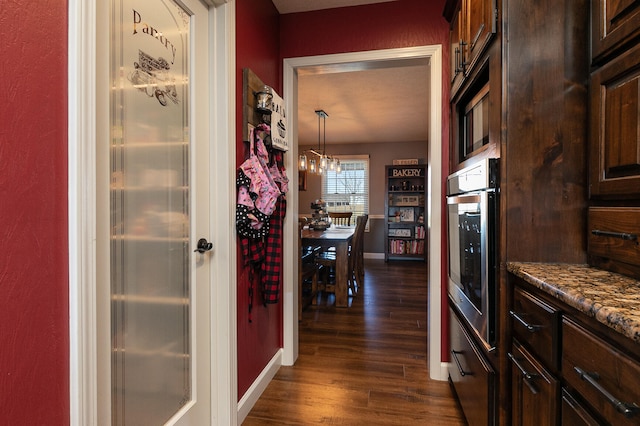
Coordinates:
[537,325]
[615,120]
[471,375]
[601,374]
[481,24]
[614,25]
[613,239]
[534,390]
[574,413]
[614,139]
[535,360]
[473,26]
[533,67]
[596,382]
[456,53]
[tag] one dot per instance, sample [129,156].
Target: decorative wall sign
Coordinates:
[405,161]
[251,116]
[279,135]
[400,232]
[407,215]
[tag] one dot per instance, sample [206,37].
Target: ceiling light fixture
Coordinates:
[326,162]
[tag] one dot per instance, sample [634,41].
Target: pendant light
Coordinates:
[325,162]
[302,162]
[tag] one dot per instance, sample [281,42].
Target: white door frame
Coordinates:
[82,183]
[437,369]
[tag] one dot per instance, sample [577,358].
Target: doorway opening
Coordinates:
[292,67]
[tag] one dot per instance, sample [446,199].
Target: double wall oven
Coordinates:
[472,201]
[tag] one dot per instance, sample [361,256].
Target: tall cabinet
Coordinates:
[405,209]
[523,99]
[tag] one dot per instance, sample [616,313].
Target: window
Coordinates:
[348,190]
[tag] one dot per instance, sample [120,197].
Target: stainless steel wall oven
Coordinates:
[472,201]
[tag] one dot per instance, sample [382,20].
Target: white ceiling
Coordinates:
[386,102]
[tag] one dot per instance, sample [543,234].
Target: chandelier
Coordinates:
[324,162]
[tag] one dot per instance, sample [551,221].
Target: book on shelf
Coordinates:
[406,247]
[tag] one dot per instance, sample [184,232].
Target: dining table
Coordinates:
[339,237]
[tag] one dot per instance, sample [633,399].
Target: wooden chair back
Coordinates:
[307,270]
[356,255]
[341,218]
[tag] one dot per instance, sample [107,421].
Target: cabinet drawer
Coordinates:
[604,377]
[471,375]
[534,390]
[574,414]
[613,24]
[536,325]
[614,234]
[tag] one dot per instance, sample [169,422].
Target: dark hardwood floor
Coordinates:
[366,364]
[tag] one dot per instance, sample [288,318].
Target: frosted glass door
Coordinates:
[150,211]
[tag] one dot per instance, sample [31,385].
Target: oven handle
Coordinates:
[468,198]
[463,373]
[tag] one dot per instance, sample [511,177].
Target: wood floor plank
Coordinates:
[363,365]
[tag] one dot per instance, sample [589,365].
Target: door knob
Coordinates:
[203,245]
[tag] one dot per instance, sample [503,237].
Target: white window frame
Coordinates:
[334,204]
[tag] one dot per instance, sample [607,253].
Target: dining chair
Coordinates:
[327,260]
[341,218]
[308,271]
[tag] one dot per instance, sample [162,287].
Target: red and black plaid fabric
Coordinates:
[272,264]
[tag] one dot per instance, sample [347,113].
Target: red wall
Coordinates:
[403,23]
[257,49]
[34,356]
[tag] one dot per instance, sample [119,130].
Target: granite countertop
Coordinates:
[610,298]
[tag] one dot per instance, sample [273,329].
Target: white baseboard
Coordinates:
[373,256]
[443,374]
[252,394]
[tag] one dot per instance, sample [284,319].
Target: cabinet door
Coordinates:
[574,414]
[481,26]
[604,377]
[534,390]
[615,120]
[457,54]
[536,324]
[614,23]
[471,375]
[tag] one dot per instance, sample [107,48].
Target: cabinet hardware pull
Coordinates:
[627,409]
[460,369]
[532,328]
[622,235]
[528,377]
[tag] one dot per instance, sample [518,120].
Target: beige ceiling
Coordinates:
[376,105]
[292,6]
[376,102]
